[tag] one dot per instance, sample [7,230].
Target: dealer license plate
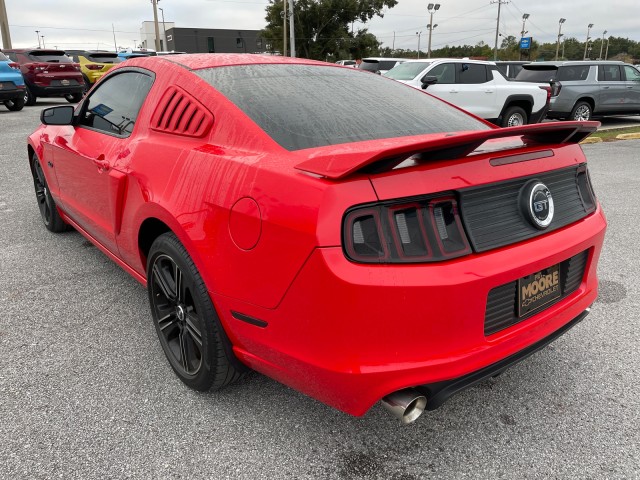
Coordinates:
[64,82]
[538,289]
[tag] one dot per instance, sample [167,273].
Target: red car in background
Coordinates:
[347,235]
[48,73]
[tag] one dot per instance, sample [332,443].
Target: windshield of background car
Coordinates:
[103,57]
[407,71]
[537,75]
[53,57]
[306,106]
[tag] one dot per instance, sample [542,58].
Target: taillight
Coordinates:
[548,90]
[555,88]
[15,66]
[426,230]
[93,66]
[37,67]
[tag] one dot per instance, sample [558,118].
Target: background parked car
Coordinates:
[584,89]
[126,54]
[510,68]
[93,64]
[11,84]
[346,63]
[48,73]
[380,65]
[478,87]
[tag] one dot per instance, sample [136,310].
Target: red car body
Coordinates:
[268,229]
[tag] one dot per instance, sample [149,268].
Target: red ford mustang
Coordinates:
[347,235]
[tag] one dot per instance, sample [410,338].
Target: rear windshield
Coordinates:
[53,57]
[306,106]
[104,57]
[407,71]
[538,75]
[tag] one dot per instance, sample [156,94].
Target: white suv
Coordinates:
[478,87]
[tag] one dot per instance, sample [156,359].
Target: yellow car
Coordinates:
[93,64]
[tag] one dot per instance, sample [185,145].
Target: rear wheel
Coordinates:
[48,210]
[581,112]
[29,97]
[185,319]
[73,97]
[514,117]
[15,104]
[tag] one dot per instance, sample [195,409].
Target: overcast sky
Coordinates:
[88,23]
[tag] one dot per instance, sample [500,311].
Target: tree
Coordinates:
[324,28]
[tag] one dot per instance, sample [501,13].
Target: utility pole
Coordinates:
[38,35]
[524,31]
[606,53]
[285,19]
[602,44]
[43,45]
[560,34]
[431,8]
[4,26]
[164,31]
[393,45]
[419,34]
[495,48]
[115,44]
[586,44]
[292,30]
[155,23]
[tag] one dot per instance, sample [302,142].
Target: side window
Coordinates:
[609,73]
[114,105]
[445,72]
[632,74]
[573,72]
[472,73]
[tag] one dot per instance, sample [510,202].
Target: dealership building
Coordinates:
[202,40]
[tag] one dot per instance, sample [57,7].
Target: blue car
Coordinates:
[126,54]
[12,87]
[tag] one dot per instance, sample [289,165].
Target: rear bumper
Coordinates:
[48,91]
[537,117]
[11,94]
[349,334]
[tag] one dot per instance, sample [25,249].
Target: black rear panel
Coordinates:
[502,305]
[493,217]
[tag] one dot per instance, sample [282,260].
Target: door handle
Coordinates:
[605,87]
[630,87]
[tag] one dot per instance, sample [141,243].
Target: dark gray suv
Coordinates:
[587,88]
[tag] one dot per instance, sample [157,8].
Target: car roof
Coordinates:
[573,63]
[385,59]
[197,61]
[466,60]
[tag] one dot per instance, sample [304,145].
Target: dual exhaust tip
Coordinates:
[406,405]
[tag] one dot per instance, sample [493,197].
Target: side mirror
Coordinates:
[428,80]
[57,115]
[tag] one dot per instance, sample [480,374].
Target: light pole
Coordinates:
[419,34]
[431,28]
[606,52]
[602,44]
[285,19]
[586,44]
[560,34]
[495,48]
[4,26]
[43,45]
[164,31]
[524,31]
[38,35]
[155,23]
[431,8]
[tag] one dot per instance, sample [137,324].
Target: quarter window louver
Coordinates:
[181,114]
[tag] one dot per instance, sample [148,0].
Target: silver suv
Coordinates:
[586,88]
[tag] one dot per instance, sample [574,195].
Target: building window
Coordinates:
[239,42]
[211,45]
[259,42]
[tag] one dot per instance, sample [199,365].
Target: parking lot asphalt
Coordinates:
[86,392]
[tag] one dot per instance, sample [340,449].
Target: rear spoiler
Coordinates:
[344,162]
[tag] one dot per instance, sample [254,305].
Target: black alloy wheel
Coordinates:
[47,206]
[186,322]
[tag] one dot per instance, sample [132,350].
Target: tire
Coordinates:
[15,105]
[29,98]
[48,209]
[188,327]
[581,112]
[514,116]
[73,97]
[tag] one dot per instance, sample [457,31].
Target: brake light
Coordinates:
[548,90]
[37,67]
[93,66]
[428,230]
[14,65]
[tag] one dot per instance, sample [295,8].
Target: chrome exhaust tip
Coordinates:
[406,405]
